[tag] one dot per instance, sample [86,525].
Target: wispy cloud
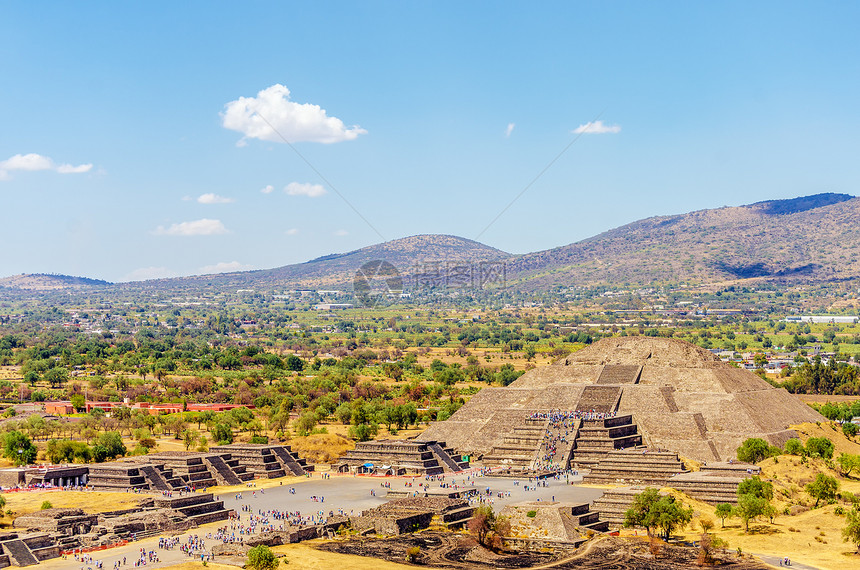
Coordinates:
[268,189]
[292,232]
[296,122]
[213,199]
[341,233]
[33,162]
[203,227]
[509,130]
[225,267]
[597,128]
[146,273]
[305,189]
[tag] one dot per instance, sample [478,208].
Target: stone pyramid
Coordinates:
[682,397]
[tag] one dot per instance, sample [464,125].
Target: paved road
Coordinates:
[351,494]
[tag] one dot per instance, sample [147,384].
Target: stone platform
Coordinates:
[398,457]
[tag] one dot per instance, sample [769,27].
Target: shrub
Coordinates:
[820,446]
[259,439]
[531,514]
[755,449]
[412,554]
[849,429]
[824,488]
[46,505]
[793,447]
[261,558]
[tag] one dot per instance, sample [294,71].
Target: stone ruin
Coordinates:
[172,470]
[408,514]
[401,457]
[538,525]
[46,533]
[668,394]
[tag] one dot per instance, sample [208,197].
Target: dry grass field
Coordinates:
[23,503]
[304,555]
[792,536]
[832,432]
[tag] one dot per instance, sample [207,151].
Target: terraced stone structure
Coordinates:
[411,513]
[547,524]
[222,465]
[714,483]
[677,397]
[47,532]
[265,461]
[403,457]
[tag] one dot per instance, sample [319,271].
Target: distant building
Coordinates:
[822,319]
[59,408]
[333,306]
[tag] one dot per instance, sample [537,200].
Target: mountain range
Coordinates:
[811,238]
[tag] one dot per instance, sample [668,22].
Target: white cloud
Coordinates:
[69,169]
[225,267]
[341,233]
[306,189]
[204,227]
[213,199]
[295,122]
[596,128]
[145,273]
[268,189]
[292,232]
[509,130]
[33,162]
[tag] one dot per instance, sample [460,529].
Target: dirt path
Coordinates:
[581,554]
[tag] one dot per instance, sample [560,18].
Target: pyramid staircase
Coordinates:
[638,466]
[520,447]
[291,460]
[19,553]
[582,517]
[446,457]
[596,438]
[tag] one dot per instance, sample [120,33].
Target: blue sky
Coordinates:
[135,138]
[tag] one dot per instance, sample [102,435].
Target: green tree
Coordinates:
[847,463]
[749,507]
[756,487]
[669,514]
[851,532]
[724,511]
[222,433]
[824,488]
[849,429]
[18,448]
[261,558]
[57,376]
[753,450]
[108,445]
[794,447]
[820,446]
[79,402]
[295,363]
[2,502]
[363,432]
[481,523]
[305,423]
[637,514]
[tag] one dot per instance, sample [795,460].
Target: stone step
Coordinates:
[19,553]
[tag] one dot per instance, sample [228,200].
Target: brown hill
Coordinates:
[45,282]
[812,237]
